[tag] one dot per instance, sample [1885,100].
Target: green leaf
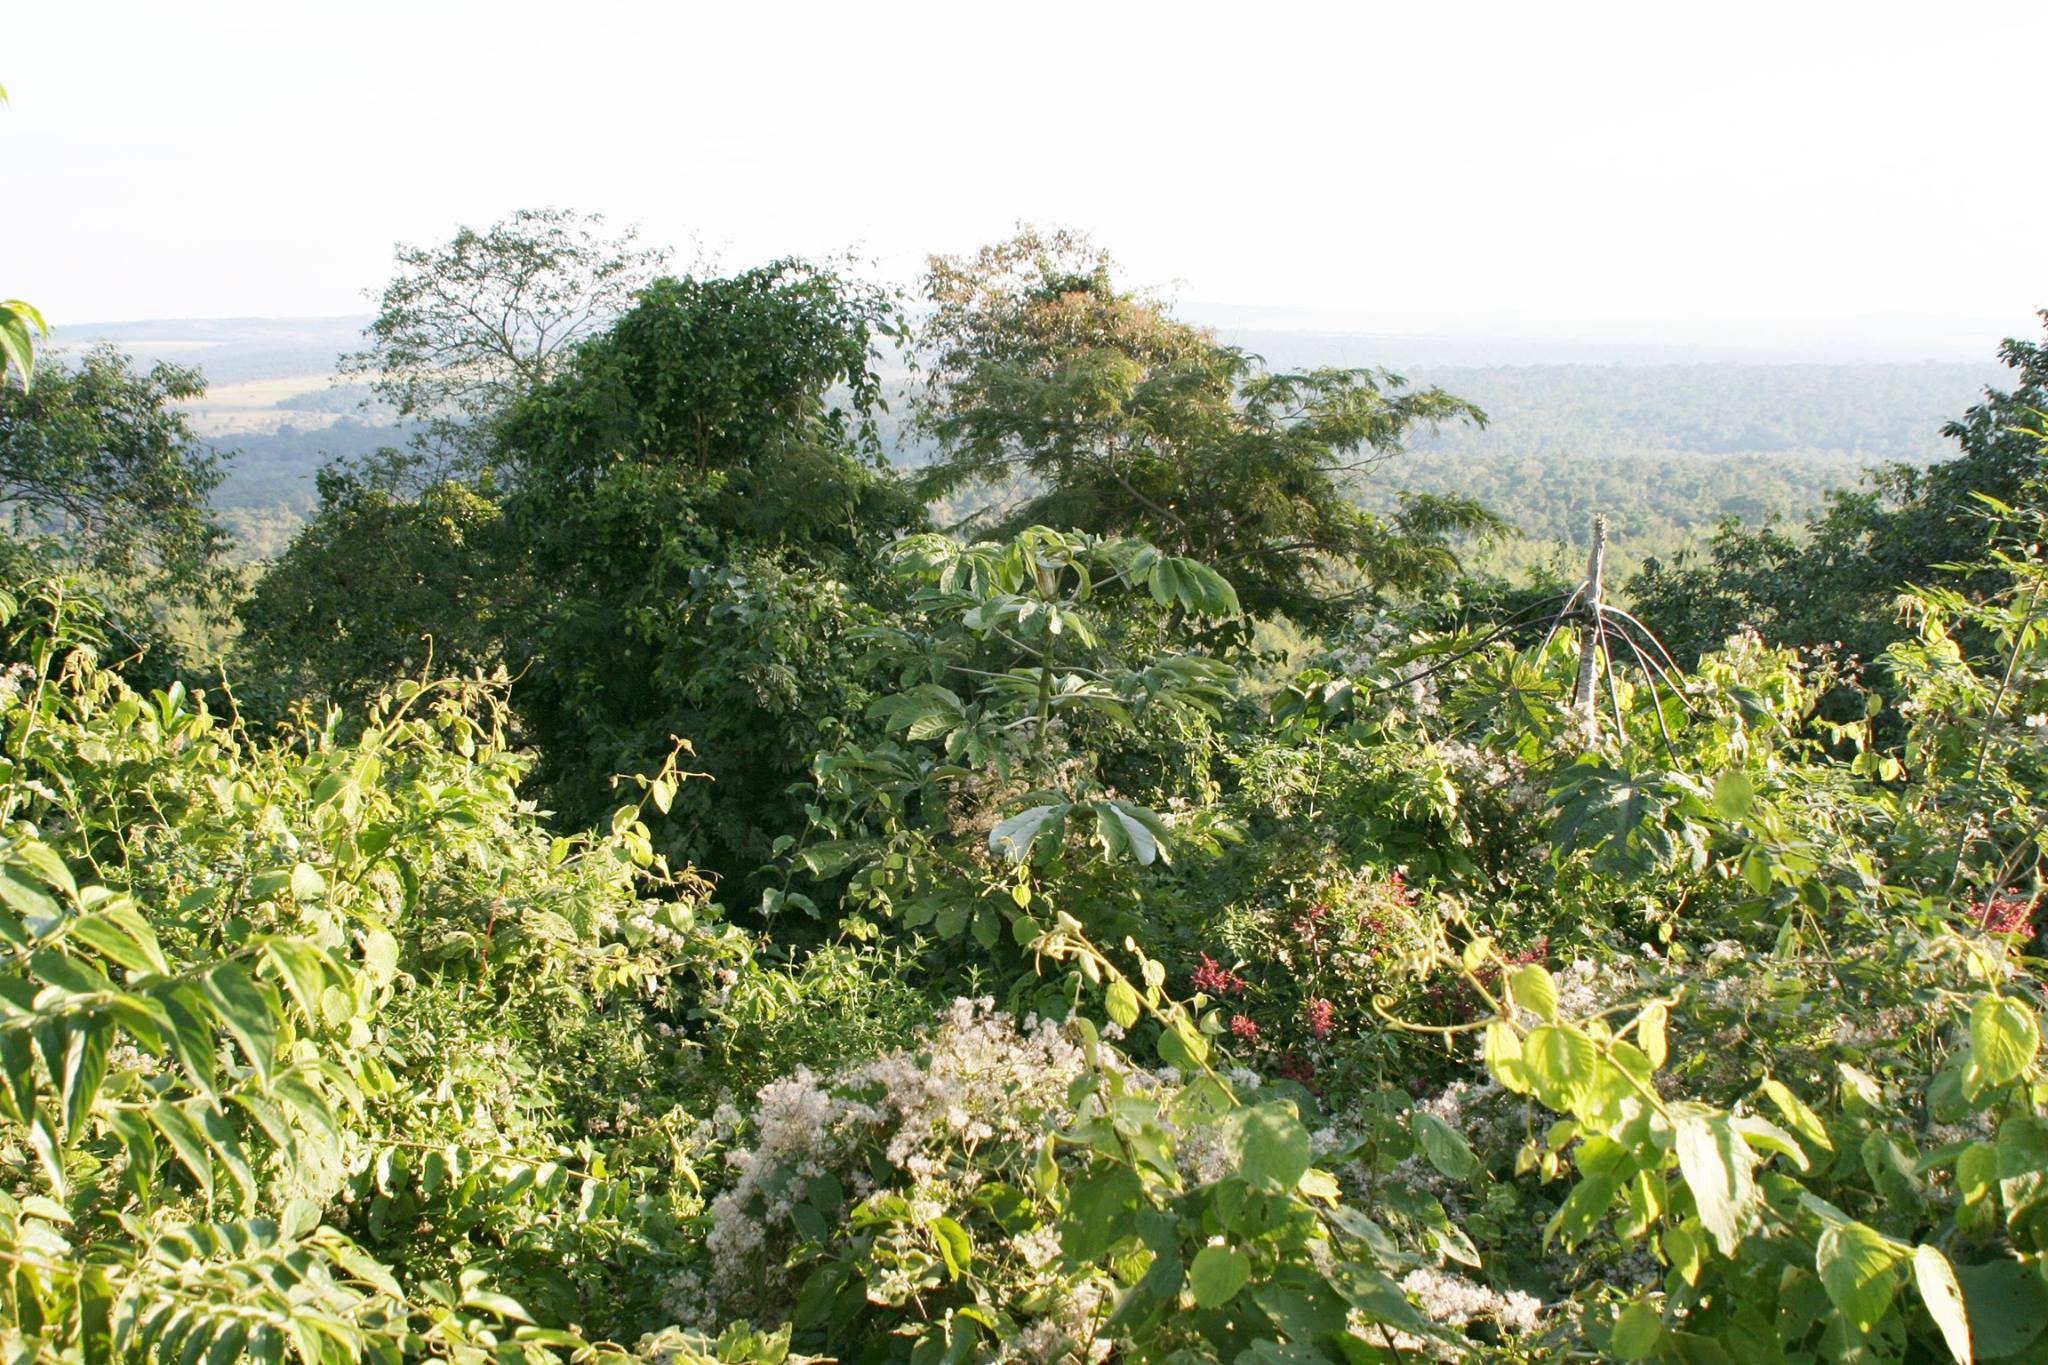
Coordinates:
[2003,1038]
[1857,1267]
[244,1012]
[1734,795]
[2007,1307]
[1936,1279]
[1976,1172]
[1637,1330]
[1764,1136]
[1013,838]
[955,1247]
[1502,1050]
[119,933]
[1273,1147]
[1444,1145]
[1536,991]
[1130,831]
[1717,1165]
[307,883]
[1562,1063]
[28,900]
[1804,1121]
[1682,1247]
[75,1051]
[1217,1274]
[1582,1209]
[1121,1000]
[491,1301]
[1650,1033]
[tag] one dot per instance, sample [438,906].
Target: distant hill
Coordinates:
[1666,439]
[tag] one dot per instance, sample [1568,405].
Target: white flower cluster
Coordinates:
[1456,1301]
[983,1078]
[1586,987]
[657,933]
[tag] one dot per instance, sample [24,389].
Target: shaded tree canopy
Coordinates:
[1113,417]
[102,458]
[375,586]
[720,438]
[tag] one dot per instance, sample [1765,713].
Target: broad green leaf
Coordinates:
[1121,1001]
[1536,991]
[242,1010]
[1717,1165]
[1503,1056]
[504,1305]
[1561,1063]
[1582,1209]
[1130,831]
[1936,1280]
[1734,795]
[1764,1136]
[29,900]
[1858,1267]
[1650,1033]
[955,1247]
[75,1051]
[307,883]
[1444,1145]
[1217,1274]
[1976,1172]
[119,932]
[2003,1038]
[1637,1330]
[1013,838]
[1682,1248]
[1804,1121]
[1273,1147]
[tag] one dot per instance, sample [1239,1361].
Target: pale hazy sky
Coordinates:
[1722,171]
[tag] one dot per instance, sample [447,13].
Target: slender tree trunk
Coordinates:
[1584,700]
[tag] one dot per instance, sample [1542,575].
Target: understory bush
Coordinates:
[1115,1000]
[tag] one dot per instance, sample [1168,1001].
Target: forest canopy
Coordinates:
[645,878]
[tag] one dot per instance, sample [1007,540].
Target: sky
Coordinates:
[1794,172]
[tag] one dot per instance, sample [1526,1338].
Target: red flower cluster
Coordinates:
[1320,1016]
[2004,915]
[1212,978]
[1295,1067]
[1398,888]
[1244,1028]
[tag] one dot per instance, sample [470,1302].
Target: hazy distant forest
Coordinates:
[749,815]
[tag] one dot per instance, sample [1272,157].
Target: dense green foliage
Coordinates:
[652,897]
[657,546]
[1126,421]
[102,460]
[462,330]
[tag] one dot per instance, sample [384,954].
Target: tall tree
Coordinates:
[695,490]
[100,461]
[1098,410]
[464,328]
